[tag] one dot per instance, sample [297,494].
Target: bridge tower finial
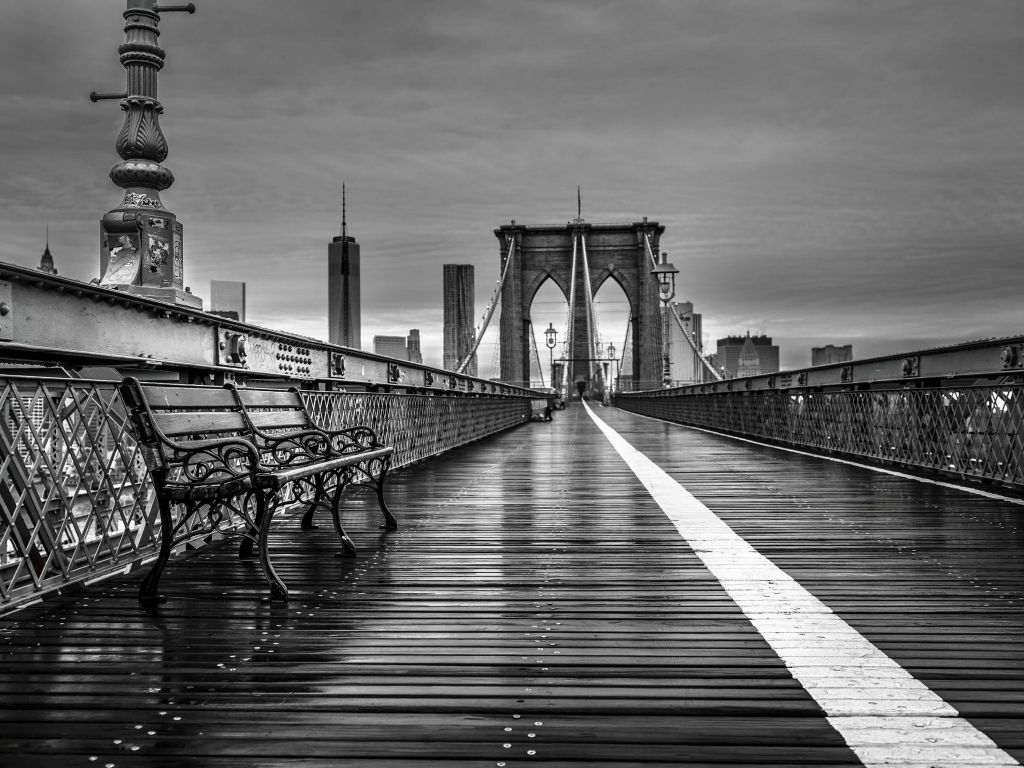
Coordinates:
[141,241]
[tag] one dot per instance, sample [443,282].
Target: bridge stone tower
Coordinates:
[140,240]
[613,251]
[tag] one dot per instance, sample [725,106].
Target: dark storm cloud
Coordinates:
[827,171]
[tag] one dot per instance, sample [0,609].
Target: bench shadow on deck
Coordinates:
[533,608]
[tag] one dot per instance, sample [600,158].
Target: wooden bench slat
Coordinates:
[305,470]
[278,419]
[165,397]
[198,422]
[267,398]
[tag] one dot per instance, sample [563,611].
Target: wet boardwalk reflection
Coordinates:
[536,607]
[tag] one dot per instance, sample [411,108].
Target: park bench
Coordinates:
[221,454]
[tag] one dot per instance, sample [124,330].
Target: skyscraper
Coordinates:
[343,313]
[400,347]
[747,356]
[458,317]
[391,346]
[413,346]
[227,299]
[46,261]
[831,353]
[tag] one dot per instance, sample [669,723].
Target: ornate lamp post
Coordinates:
[140,240]
[612,360]
[550,339]
[665,272]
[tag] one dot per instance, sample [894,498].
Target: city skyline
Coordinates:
[826,173]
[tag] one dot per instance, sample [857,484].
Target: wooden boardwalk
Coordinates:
[536,607]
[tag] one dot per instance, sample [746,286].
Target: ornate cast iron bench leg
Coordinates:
[347,547]
[319,500]
[149,589]
[252,532]
[266,504]
[390,523]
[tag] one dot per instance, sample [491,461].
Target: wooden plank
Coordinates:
[198,423]
[532,581]
[278,419]
[163,396]
[268,398]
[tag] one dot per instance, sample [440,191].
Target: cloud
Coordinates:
[848,168]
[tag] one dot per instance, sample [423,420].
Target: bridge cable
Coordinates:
[627,348]
[534,357]
[591,318]
[675,314]
[491,307]
[570,321]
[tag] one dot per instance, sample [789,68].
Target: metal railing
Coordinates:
[76,501]
[966,430]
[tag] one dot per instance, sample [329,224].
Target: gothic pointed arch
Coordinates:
[540,278]
[624,280]
[540,253]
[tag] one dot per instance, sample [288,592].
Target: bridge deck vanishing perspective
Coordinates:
[539,607]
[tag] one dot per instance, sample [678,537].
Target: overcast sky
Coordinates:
[827,171]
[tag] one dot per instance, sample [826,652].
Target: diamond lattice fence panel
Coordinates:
[75,496]
[968,431]
[76,500]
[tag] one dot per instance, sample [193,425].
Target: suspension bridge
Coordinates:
[532,256]
[811,567]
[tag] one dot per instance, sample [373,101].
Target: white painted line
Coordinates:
[873,468]
[886,716]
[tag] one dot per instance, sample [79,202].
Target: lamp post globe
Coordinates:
[550,339]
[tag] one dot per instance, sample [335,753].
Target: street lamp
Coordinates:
[611,357]
[665,273]
[550,339]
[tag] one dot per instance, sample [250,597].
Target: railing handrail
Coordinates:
[983,358]
[961,429]
[113,328]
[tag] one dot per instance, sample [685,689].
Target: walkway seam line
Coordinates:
[886,716]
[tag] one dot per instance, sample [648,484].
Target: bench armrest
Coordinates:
[294,448]
[213,460]
[353,440]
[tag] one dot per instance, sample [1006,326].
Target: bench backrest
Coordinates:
[270,410]
[166,415]
[173,413]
